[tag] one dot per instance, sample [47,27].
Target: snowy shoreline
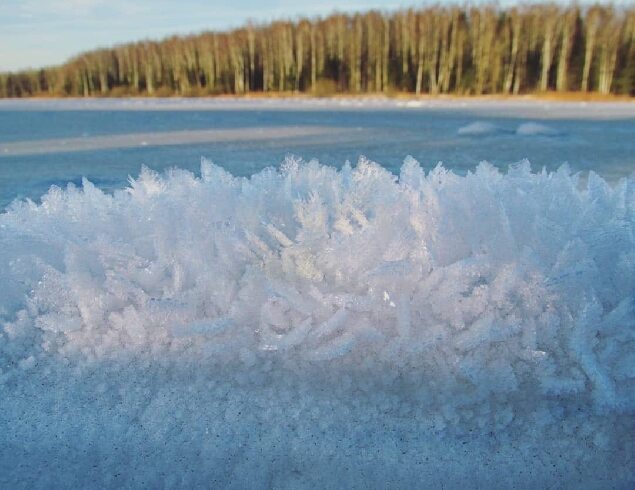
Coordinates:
[521,107]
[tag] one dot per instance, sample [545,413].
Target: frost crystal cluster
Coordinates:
[307,313]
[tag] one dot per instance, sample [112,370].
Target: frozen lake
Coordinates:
[402,325]
[44,143]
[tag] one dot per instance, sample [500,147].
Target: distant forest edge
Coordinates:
[435,50]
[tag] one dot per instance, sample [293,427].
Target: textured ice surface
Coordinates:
[310,327]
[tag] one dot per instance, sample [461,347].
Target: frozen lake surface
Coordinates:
[403,325]
[52,142]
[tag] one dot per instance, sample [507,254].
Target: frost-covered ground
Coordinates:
[310,327]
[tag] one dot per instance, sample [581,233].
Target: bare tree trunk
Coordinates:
[609,45]
[385,55]
[450,58]
[430,31]
[313,58]
[405,43]
[354,61]
[85,84]
[483,34]
[548,46]
[374,37]
[460,53]
[238,66]
[521,65]
[591,29]
[299,56]
[567,33]
[103,79]
[516,24]
[251,47]
[420,55]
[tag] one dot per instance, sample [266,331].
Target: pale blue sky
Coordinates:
[35,33]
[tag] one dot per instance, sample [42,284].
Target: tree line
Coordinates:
[434,50]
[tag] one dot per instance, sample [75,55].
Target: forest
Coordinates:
[434,50]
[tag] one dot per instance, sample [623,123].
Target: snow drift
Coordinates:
[536,129]
[299,309]
[479,128]
[483,128]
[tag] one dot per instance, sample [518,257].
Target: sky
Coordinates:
[36,33]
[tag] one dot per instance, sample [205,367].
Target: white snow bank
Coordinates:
[310,326]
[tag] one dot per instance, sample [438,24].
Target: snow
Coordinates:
[535,129]
[309,327]
[522,107]
[483,128]
[479,128]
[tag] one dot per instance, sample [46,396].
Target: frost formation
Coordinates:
[485,301]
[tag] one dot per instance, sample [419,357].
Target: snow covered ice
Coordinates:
[535,129]
[483,128]
[479,128]
[309,327]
